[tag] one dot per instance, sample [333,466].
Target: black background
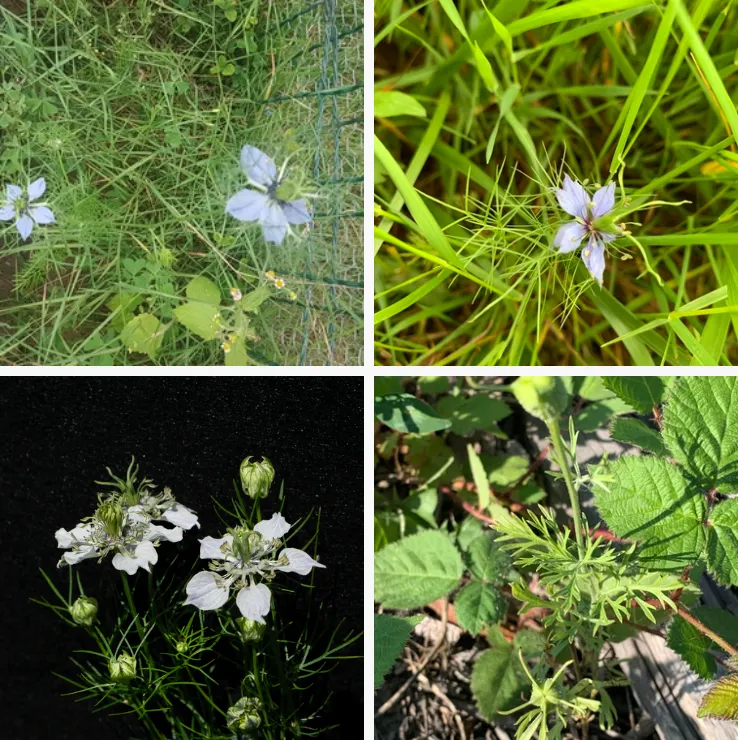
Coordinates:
[58,436]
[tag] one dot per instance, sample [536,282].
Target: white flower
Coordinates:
[239,559]
[163,506]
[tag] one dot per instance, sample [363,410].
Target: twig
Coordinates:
[467,507]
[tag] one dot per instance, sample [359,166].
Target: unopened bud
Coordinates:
[122,668]
[256,477]
[84,611]
[245,714]
[545,397]
[249,630]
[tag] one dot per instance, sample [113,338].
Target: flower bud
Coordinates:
[84,611]
[545,397]
[249,630]
[122,668]
[244,714]
[256,477]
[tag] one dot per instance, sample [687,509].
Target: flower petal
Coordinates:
[136,514]
[154,533]
[594,258]
[299,562]
[25,226]
[248,205]
[573,198]
[274,528]
[144,555]
[13,192]
[569,236]
[212,548]
[296,212]
[253,602]
[258,166]
[274,223]
[42,215]
[180,516]
[604,200]
[82,553]
[36,189]
[207,590]
[7,213]
[64,539]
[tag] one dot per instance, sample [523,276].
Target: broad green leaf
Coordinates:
[700,420]
[386,529]
[692,646]
[251,301]
[390,103]
[469,531]
[479,476]
[390,635]
[203,290]
[238,356]
[593,389]
[432,459]
[635,432]
[596,415]
[647,499]
[434,383]
[504,472]
[416,570]
[721,700]
[722,543]
[488,561]
[385,385]
[478,605]
[476,412]
[143,334]
[720,621]
[122,306]
[202,319]
[405,413]
[420,509]
[643,393]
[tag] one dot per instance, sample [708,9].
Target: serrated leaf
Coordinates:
[488,561]
[722,543]
[252,300]
[721,700]
[498,680]
[635,432]
[200,318]
[593,389]
[596,415]
[428,454]
[405,413]
[692,646]
[478,605]
[647,499]
[416,570]
[643,393]
[143,334]
[480,477]
[700,422]
[390,635]
[477,412]
[203,290]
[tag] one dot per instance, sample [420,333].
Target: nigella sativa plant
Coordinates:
[592,222]
[240,560]
[272,202]
[21,207]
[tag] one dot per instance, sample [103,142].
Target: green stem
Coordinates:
[139,623]
[558,444]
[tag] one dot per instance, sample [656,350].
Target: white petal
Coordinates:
[569,236]
[36,189]
[299,562]
[79,534]
[206,590]
[258,166]
[181,516]
[25,226]
[7,213]
[274,528]
[247,205]
[154,533]
[129,563]
[604,200]
[573,198]
[13,192]
[147,552]
[136,514]
[274,223]
[144,555]
[42,215]
[211,548]
[64,539]
[84,552]
[594,258]
[253,602]
[296,212]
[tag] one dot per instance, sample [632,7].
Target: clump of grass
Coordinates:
[135,113]
[482,109]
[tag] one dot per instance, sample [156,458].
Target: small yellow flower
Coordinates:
[270,275]
[293,295]
[236,294]
[280,283]
[226,346]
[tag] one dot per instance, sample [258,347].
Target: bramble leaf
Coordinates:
[721,700]
[488,561]
[643,393]
[722,543]
[405,413]
[416,570]
[143,334]
[647,499]
[692,646]
[635,432]
[596,415]
[700,429]
[390,635]
[478,605]
[476,412]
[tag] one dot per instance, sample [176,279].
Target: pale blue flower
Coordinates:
[18,206]
[590,222]
[263,204]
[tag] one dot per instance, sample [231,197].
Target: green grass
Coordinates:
[121,108]
[481,112]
